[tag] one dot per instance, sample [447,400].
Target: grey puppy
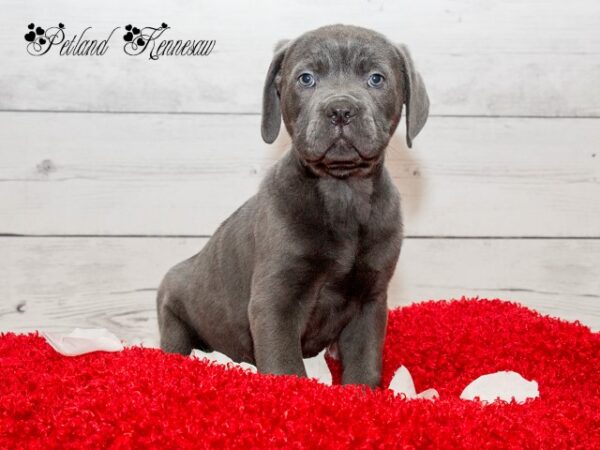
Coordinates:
[305,263]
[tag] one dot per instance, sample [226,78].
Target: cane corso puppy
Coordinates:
[305,263]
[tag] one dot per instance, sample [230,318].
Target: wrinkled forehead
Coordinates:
[325,52]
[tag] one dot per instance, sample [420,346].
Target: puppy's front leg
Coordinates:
[275,316]
[361,344]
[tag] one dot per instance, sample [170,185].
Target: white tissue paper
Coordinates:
[316,367]
[220,358]
[82,341]
[402,383]
[504,385]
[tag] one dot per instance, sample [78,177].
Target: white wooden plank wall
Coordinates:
[114,168]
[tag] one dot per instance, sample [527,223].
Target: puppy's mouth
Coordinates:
[344,169]
[342,160]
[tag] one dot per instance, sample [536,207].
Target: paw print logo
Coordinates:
[40,41]
[37,35]
[137,39]
[133,35]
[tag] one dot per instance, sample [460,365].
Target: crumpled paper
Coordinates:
[402,383]
[504,385]
[220,358]
[83,340]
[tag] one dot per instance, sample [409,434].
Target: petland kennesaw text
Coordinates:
[137,41]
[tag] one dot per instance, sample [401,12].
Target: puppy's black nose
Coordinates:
[341,112]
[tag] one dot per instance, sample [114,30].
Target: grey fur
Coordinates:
[305,263]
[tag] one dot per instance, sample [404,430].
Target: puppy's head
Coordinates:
[340,90]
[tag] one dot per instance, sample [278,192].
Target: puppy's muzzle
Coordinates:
[341,115]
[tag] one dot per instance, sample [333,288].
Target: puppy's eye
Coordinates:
[375,80]
[306,80]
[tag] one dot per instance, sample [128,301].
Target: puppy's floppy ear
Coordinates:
[415,96]
[271,109]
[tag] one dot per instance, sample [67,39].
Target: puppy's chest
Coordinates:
[345,260]
[335,303]
[345,227]
[346,203]
[341,245]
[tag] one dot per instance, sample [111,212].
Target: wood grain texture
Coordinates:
[515,57]
[62,283]
[149,174]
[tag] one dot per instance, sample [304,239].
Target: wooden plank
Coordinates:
[151,174]
[62,283]
[516,57]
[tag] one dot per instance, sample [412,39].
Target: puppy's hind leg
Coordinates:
[175,335]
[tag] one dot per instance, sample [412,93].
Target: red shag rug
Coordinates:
[144,398]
